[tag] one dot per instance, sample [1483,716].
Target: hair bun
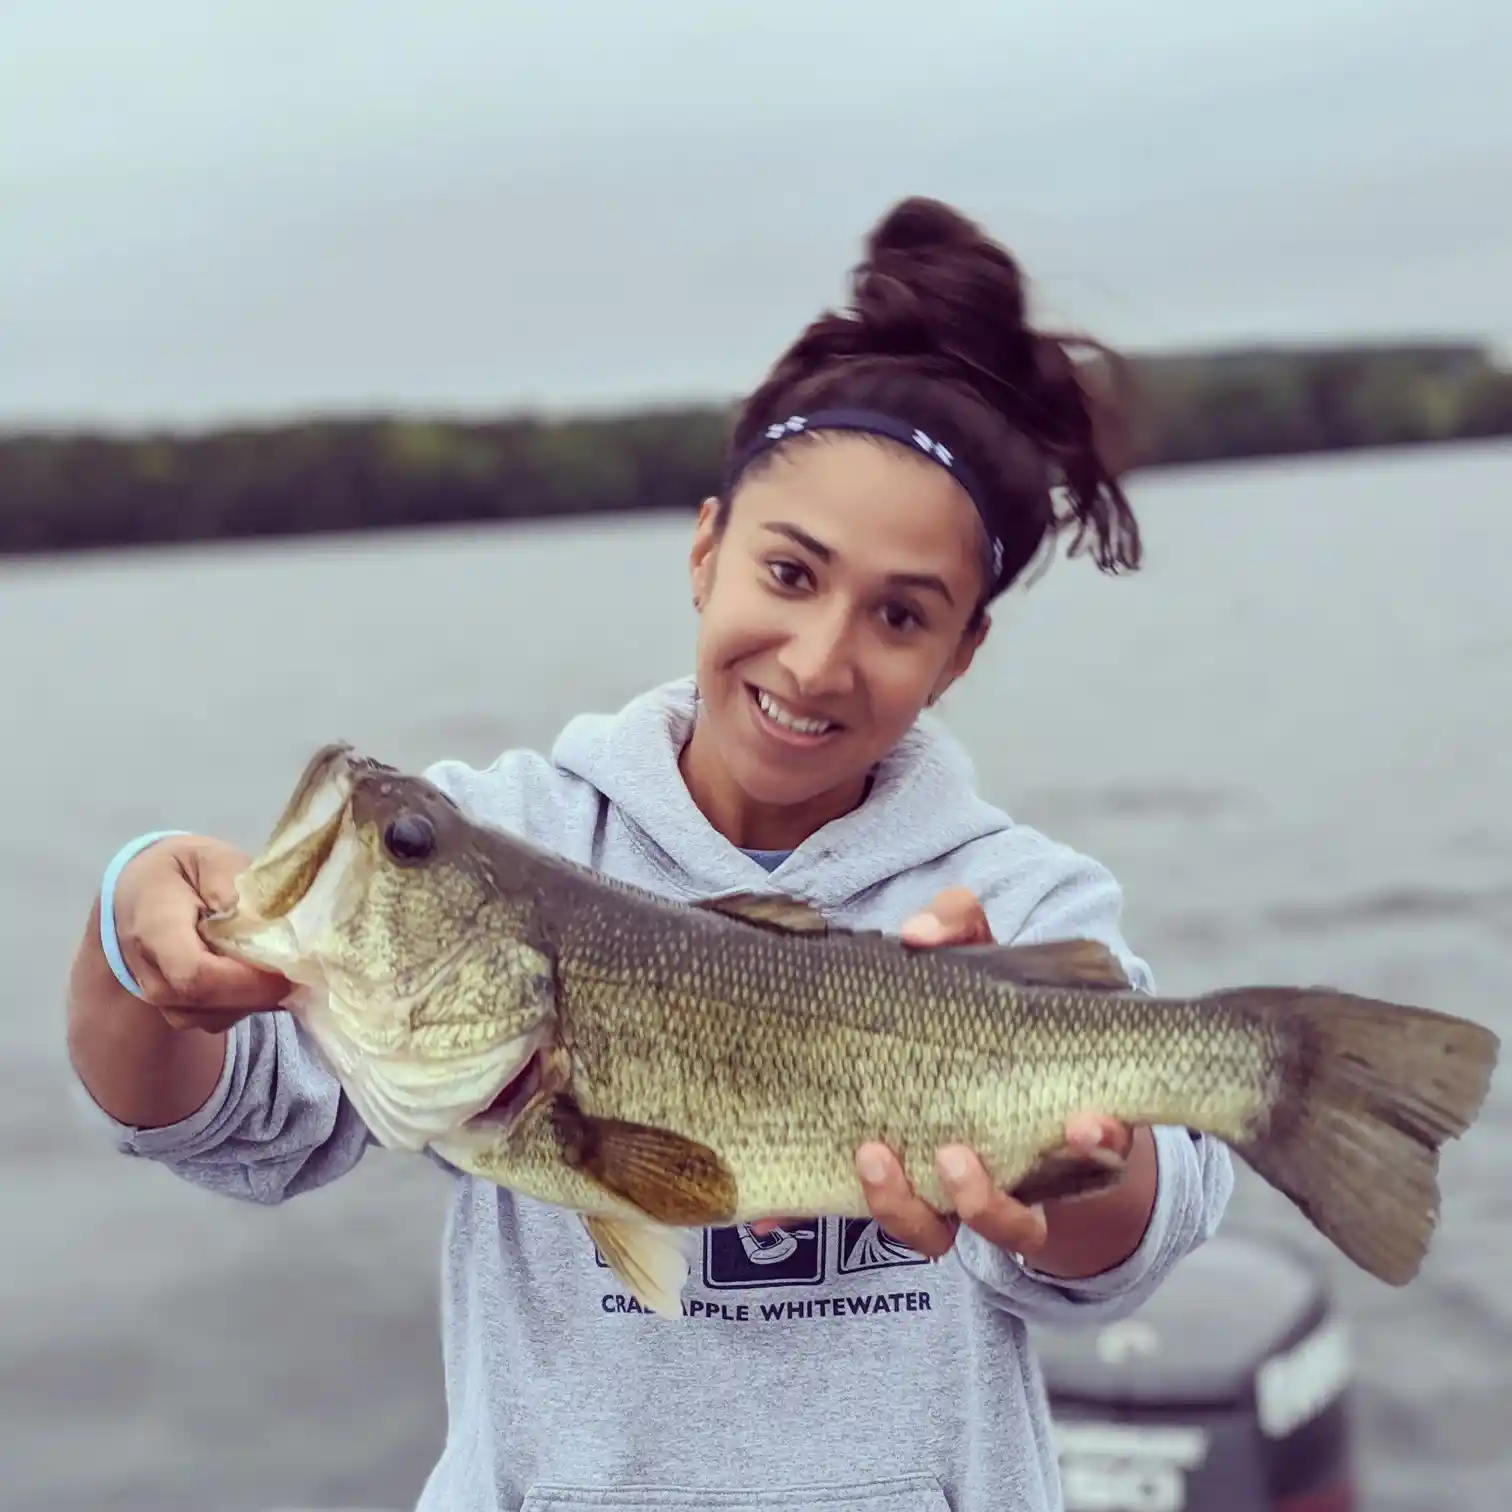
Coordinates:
[933,284]
[937,332]
[919,224]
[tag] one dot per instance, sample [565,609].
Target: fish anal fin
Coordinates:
[672,1179]
[774,911]
[1056,963]
[1066,1172]
[648,1261]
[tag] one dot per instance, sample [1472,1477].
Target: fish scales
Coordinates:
[655,1066]
[783,1052]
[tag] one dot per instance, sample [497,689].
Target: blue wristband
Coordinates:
[108,942]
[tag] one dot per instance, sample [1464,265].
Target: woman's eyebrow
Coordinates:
[826,554]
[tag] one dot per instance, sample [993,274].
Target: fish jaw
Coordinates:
[410,1100]
[307,878]
[299,849]
[302,879]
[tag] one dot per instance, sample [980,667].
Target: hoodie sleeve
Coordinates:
[1194,1173]
[278,1123]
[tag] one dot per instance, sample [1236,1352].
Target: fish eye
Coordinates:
[410,837]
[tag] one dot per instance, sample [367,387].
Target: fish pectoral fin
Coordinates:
[1056,963]
[1066,1172]
[775,911]
[670,1178]
[649,1262]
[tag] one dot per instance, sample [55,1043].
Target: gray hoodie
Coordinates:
[821,1367]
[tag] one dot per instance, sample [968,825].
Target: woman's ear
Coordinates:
[965,653]
[704,550]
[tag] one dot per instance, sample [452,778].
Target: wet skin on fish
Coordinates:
[659,1066]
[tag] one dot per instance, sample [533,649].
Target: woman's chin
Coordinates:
[781,785]
[774,772]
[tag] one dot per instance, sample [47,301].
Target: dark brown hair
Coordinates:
[937,336]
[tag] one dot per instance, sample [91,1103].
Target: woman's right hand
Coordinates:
[159,899]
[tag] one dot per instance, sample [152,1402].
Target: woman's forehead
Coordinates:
[868,502]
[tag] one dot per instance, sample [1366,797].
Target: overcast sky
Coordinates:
[215,210]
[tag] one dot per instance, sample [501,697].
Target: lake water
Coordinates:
[1289,736]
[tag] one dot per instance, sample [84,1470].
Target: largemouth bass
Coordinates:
[659,1067]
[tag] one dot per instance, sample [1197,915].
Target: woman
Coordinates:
[893,474]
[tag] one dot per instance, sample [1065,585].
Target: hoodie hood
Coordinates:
[922,805]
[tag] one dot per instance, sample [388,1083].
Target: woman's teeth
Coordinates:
[788,720]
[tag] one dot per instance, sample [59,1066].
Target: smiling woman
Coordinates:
[892,475]
[904,463]
[836,601]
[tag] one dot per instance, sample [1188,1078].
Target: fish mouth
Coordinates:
[302,842]
[330,771]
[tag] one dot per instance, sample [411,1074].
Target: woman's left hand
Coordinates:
[977,1203]
[957,918]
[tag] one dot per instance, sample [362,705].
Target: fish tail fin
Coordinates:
[1369,1093]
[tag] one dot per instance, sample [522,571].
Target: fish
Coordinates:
[660,1066]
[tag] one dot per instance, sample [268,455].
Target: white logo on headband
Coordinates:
[929,444]
[920,438]
[789,427]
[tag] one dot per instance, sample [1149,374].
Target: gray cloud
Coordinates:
[237,210]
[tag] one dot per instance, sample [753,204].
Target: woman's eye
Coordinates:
[900,617]
[788,574]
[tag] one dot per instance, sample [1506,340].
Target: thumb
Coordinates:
[955,917]
[179,970]
[213,877]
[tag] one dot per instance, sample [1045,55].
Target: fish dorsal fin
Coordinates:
[775,911]
[1056,963]
[670,1178]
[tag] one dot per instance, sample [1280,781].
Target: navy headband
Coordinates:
[877,425]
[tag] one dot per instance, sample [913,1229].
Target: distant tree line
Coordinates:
[62,492]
